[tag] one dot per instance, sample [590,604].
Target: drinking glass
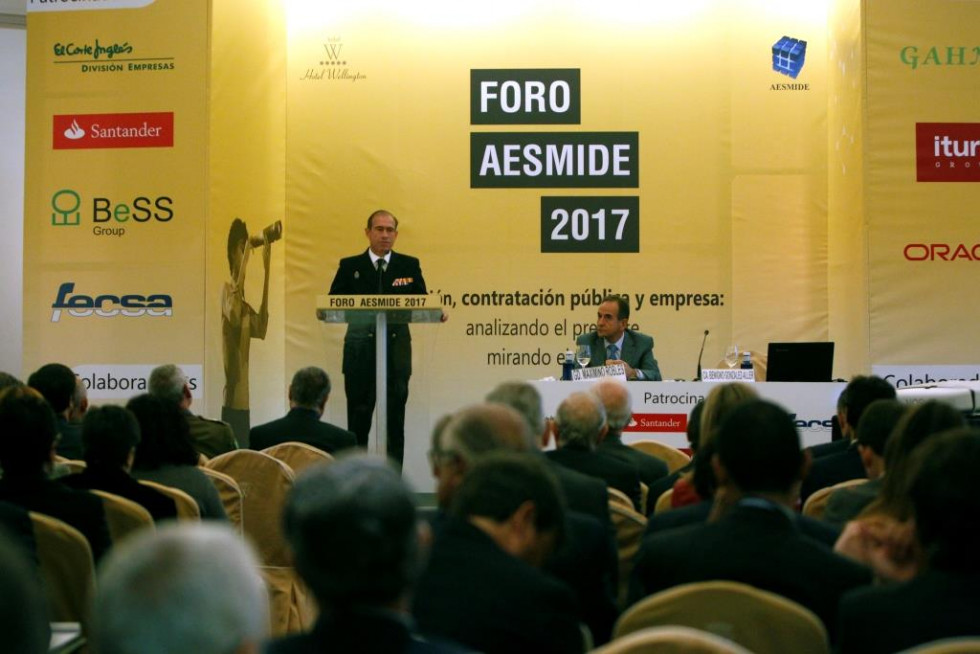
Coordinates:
[583,354]
[731,356]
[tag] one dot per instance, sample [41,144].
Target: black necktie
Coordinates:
[381,272]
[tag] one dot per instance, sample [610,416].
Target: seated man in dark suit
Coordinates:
[482,586]
[943,599]
[616,400]
[586,558]
[845,463]
[580,424]
[758,465]
[613,343]
[355,536]
[59,385]
[211,437]
[110,435]
[27,438]
[308,394]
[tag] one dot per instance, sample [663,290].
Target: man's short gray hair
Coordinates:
[580,418]
[310,387]
[477,430]
[184,588]
[523,398]
[616,400]
[167,382]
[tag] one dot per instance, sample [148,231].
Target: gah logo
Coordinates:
[788,56]
[108,305]
[947,152]
[95,131]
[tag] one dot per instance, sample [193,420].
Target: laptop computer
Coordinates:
[800,362]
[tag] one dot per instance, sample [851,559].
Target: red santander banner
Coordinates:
[947,152]
[132,130]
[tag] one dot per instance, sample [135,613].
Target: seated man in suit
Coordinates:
[210,437]
[308,394]
[613,343]
[59,385]
[758,465]
[187,587]
[27,439]
[354,532]
[110,435]
[580,424]
[844,464]
[616,400]
[483,586]
[943,599]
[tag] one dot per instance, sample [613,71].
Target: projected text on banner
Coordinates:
[554,160]
[527,96]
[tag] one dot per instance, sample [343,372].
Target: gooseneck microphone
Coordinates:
[701,354]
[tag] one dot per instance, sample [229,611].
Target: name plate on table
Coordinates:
[727,375]
[356,308]
[599,372]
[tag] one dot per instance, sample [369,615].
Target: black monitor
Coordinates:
[800,362]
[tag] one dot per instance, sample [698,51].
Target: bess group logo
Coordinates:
[947,152]
[131,130]
[109,217]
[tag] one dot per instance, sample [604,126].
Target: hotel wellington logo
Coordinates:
[333,65]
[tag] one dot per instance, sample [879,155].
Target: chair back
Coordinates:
[672,456]
[298,456]
[291,605]
[74,466]
[232,498]
[67,569]
[629,526]
[187,506]
[264,482]
[644,498]
[664,502]
[617,496]
[202,459]
[964,645]
[758,620]
[816,505]
[671,640]
[124,516]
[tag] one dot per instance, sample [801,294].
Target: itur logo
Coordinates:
[947,152]
[93,131]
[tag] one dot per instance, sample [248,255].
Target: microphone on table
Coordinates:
[701,354]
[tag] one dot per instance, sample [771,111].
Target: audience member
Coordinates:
[166,455]
[943,599]
[109,438]
[7,381]
[845,463]
[28,429]
[583,493]
[58,383]
[308,395]
[209,437]
[873,430]
[693,433]
[580,424]
[483,587]
[23,616]
[758,465]
[616,400]
[356,540]
[186,588]
[699,485]
[839,440]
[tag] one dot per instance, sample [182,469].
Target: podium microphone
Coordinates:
[700,354]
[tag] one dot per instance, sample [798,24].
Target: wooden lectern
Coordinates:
[381,310]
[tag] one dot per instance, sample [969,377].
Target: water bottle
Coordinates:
[568,365]
[746,360]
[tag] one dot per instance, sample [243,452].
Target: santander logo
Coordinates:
[132,130]
[947,152]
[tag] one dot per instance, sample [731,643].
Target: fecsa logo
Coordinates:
[108,305]
[788,57]
[109,217]
[940,55]
[136,130]
[947,152]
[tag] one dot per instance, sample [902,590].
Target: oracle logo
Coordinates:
[942,252]
[95,131]
[947,152]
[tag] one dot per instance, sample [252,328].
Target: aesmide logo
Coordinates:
[788,58]
[109,216]
[109,305]
[129,130]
